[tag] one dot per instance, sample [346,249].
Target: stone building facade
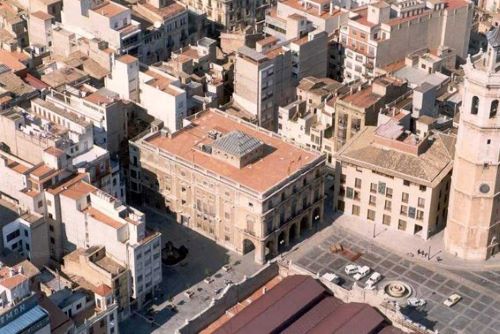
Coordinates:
[233,182]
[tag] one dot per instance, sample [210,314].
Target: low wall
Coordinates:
[229,297]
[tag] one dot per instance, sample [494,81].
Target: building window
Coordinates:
[373,187]
[388,205]
[355,210]
[386,220]
[420,215]
[404,210]
[356,195]
[421,202]
[422,188]
[373,200]
[405,197]
[493,108]
[474,105]
[349,192]
[357,183]
[388,192]
[370,215]
[381,187]
[406,183]
[13,235]
[411,212]
[402,225]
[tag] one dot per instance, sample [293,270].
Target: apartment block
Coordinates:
[40,29]
[14,28]
[19,307]
[210,175]
[95,270]
[50,7]
[230,15]
[62,140]
[327,16]
[23,232]
[361,106]
[393,179]
[308,45]
[309,120]
[166,29]
[158,92]
[90,217]
[205,73]
[380,33]
[102,108]
[263,82]
[107,20]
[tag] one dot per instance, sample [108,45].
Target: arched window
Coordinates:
[475,105]
[493,108]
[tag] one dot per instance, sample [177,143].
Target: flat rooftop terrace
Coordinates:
[281,159]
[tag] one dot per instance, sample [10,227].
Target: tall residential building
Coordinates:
[361,106]
[231,181]
[309,120]
[263,82]
[89,217]
[327,16]
[473,229]
[158,92]
[106,20]
[164,28]
[381,33]
[102,108]
[24,232]
[232,14]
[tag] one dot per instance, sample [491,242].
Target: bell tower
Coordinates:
[473,227]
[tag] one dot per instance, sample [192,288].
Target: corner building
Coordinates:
[233,182]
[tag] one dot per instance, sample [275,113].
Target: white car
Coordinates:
[373,280]
[362,272]
[331,277]
[351,269]
[415,302]
[452,300]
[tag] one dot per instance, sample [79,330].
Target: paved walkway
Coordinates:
[477,313]
[405,244]
[205,259]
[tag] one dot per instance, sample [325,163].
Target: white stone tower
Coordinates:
[473,227]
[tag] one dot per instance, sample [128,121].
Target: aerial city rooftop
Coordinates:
[268,166]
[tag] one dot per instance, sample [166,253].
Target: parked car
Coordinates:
[351,269]
[331,277]
[373,280]
[415,302]
[362,272]
[452,300]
